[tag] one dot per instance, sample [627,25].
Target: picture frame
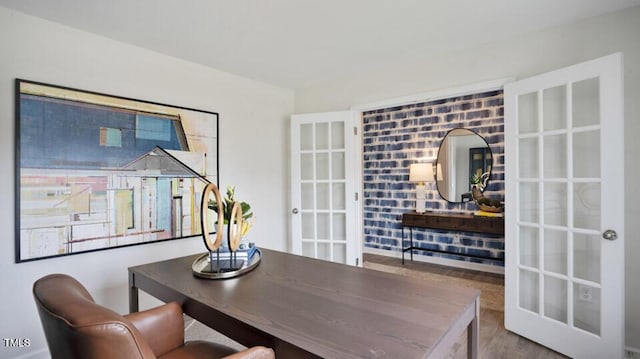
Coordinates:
[96,171]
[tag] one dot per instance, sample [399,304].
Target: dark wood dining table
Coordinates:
[307,308]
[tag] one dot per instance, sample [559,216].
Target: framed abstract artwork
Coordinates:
[97,171]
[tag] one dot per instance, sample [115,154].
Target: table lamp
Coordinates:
[420,173]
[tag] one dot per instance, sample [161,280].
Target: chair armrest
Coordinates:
[162,327]
[253,353]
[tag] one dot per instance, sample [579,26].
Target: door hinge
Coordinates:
[356,196]
[357,262]
[355,131]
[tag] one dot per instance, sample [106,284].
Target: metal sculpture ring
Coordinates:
[235,227]
[204,223]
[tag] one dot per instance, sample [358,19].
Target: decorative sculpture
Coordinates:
[220,261]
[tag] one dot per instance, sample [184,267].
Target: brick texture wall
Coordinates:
[396,137]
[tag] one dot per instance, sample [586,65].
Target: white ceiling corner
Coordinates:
[304,43]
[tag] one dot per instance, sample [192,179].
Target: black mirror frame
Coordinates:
[466,196]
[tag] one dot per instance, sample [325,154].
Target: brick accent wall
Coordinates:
[394,138]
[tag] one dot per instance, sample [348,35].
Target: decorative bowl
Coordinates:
[485,203]
[492,209]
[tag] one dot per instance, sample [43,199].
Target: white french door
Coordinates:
[564,269]
[326,220]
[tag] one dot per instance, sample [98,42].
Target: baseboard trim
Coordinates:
[436,260]
[630,352]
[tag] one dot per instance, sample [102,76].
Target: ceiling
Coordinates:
[303,43]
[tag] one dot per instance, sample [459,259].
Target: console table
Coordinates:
[452,222]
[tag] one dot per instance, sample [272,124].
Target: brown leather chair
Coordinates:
[76,327]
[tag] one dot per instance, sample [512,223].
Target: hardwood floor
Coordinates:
[477,276]
[495,341]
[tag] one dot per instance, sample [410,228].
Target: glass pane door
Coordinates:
[323,187]
[559,215]
[564,189]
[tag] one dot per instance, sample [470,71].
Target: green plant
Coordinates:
[475,179]
[480,180]
[227,206]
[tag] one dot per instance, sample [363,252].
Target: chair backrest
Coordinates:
[76,327]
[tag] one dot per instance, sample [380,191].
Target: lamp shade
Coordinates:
[421,172]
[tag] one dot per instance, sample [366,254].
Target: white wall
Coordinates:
[519,58]
[254,122]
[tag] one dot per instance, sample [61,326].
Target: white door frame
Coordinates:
[473,88]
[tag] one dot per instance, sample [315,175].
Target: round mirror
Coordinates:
[463,157]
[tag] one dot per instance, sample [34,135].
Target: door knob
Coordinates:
[294,211]
[610,235]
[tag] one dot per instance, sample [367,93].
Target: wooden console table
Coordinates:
[452,222]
